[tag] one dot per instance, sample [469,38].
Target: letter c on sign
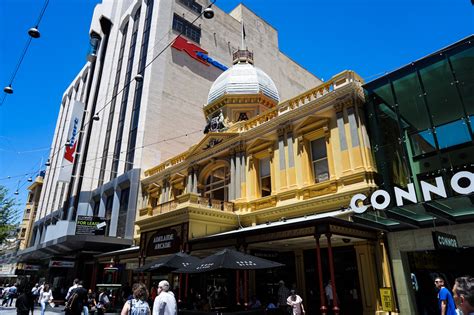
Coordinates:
[384,204]
[355,206]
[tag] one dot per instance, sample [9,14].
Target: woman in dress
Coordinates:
[45,297]
[296,303]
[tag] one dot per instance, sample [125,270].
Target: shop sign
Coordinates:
[163,242]
[410,194]
[69,154]
[88,225]
[61,264]
[386,297]
[31,267]
[131,265]
[196,52]
[444,241]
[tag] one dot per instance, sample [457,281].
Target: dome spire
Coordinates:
[243,55]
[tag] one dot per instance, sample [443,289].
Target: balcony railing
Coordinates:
[188,200]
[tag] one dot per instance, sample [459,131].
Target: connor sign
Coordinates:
[427,189]
[444,241]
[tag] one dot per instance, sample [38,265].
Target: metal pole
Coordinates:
[323,307]
[335,307]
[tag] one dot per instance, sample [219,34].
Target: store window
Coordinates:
[217,183]
[265,177]
[319,160]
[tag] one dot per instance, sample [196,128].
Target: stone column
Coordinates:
[195,179]
[238,175]
[189,181]
[231,195]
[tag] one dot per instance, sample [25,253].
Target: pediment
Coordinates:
[311,122]
[259,144]
[211,140]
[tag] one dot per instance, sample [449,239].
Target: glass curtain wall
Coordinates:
[421,118]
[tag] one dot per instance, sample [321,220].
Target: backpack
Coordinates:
[72,302]
[139,307]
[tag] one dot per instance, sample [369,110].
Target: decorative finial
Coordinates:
[243,54]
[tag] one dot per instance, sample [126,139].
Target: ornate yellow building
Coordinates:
[274,178]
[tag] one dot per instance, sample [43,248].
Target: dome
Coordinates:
[243,78]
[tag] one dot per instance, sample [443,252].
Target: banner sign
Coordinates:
[444,241]
[88,225]
[69,155]
[61,264]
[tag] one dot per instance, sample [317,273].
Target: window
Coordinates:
[192,5]
[108,211]
[189,30]
[110,121]
[319,160]
[217,184]
[23,232]
[138,90]
[125,92]
[123,210]
[265,177]
[30,197]
[95,211]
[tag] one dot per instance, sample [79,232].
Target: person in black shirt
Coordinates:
[25,301]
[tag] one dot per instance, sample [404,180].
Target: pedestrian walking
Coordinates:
[445,299]
[46,298]
[296,303]
[138,304]
[25,302]
[165,302]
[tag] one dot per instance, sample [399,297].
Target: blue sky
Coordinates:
[370,37]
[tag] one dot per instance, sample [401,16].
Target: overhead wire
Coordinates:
[25,50]
[111,154]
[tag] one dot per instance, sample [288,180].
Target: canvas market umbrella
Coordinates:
[229,259]
[174,261]
[234,260]
[171,262]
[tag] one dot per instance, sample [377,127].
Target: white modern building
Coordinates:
[148,74]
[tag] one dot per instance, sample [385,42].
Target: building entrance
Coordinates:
[425,266]
[347,280]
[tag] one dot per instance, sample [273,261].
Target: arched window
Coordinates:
[216,184]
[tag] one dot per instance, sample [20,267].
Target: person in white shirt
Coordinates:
[45,297]
[329,295]
[165,302]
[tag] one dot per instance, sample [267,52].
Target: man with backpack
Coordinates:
[77,302]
